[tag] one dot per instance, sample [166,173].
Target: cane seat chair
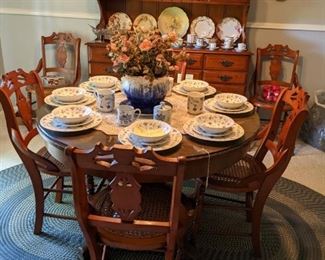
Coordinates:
[127,214]
[13,87]
[60,57]
[282,64]
[250,175]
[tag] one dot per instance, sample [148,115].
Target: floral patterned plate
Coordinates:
[190,128]
[52,101]
[211,105]
[174,138]
[180,90]
[145,23]
[229,27]
[48,122]
[120,22]
[203,27]
[173,19]
[88,86]
[214,123]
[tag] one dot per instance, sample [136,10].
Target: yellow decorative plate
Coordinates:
[173,19]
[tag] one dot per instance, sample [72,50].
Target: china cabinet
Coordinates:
[226,70]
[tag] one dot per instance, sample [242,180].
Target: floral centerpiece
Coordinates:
[144,62]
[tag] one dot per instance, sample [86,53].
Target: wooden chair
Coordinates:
[60,56]
[12,88]
[278,58]
[126,214]
[250,175]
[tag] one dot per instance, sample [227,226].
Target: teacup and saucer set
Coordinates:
[240,47]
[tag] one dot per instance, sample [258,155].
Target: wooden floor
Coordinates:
[307,166]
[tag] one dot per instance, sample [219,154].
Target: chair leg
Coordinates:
[256,226]
[249,203]
[59,186]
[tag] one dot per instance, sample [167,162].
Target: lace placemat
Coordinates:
[179,114]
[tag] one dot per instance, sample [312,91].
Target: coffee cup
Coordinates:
[162,112]
[195,102]
[105,100]
[199,42]
[127,114]
[212,45]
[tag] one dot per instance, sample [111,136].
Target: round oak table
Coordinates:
[203,157]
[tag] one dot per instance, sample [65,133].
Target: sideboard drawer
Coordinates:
[197,74]
[239,89]
[226,62]
[99,68]
[97,54]
[196,61]
[224,77]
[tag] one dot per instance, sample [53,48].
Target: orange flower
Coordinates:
[145,45]
[172,36]
[113,47]
[123,58]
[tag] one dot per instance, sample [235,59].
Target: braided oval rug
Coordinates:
[293,226]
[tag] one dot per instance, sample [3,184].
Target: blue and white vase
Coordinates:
[144,94]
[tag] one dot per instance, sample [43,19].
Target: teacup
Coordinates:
[190,38]
[162,112]
[127,114]
[195,102]
[241,46]
[228,42]
[105,100]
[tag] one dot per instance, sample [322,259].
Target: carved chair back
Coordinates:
[121,165]
[13,91]
[61,55]
[280,137]
[280,59]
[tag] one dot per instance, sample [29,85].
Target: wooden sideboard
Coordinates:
[226,70]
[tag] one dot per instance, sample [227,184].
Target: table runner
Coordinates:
[179,114]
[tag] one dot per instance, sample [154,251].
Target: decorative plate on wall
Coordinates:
[203,27]
[229,27]
[119,22]
[173,19]
[145,23]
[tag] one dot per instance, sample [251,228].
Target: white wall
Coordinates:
[298,23]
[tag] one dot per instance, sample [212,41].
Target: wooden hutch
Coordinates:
[226,70]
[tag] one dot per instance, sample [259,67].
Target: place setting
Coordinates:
[228,103]
[69,96]
[150,133]
[101,82]
[190,85]
[71,118]
[213,127]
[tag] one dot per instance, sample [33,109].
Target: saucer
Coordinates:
[227,48]
[239,50]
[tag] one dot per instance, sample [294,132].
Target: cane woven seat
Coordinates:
[45,154]
[238,172]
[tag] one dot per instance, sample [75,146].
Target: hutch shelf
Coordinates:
[226,70]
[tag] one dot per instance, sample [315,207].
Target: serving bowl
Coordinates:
[194,85]
[103,81]
[230,100]
[214,123]
[69,94]
[148,130]
[72,114]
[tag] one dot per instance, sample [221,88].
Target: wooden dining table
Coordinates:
[203,157]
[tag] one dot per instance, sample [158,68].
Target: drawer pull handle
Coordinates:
[227,63]
[225,78]
[191,61]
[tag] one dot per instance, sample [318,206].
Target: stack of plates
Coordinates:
[101,82]
[69,96]
[213,127]
[148,133]
[72,118]
[187,86]
[228,103]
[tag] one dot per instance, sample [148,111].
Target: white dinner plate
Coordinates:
[229,27]
[48,122]
[179,90]
[203,27]
[87,85]
[236,133]
[211,105]
[174,138]
[173,19]
[52,101]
